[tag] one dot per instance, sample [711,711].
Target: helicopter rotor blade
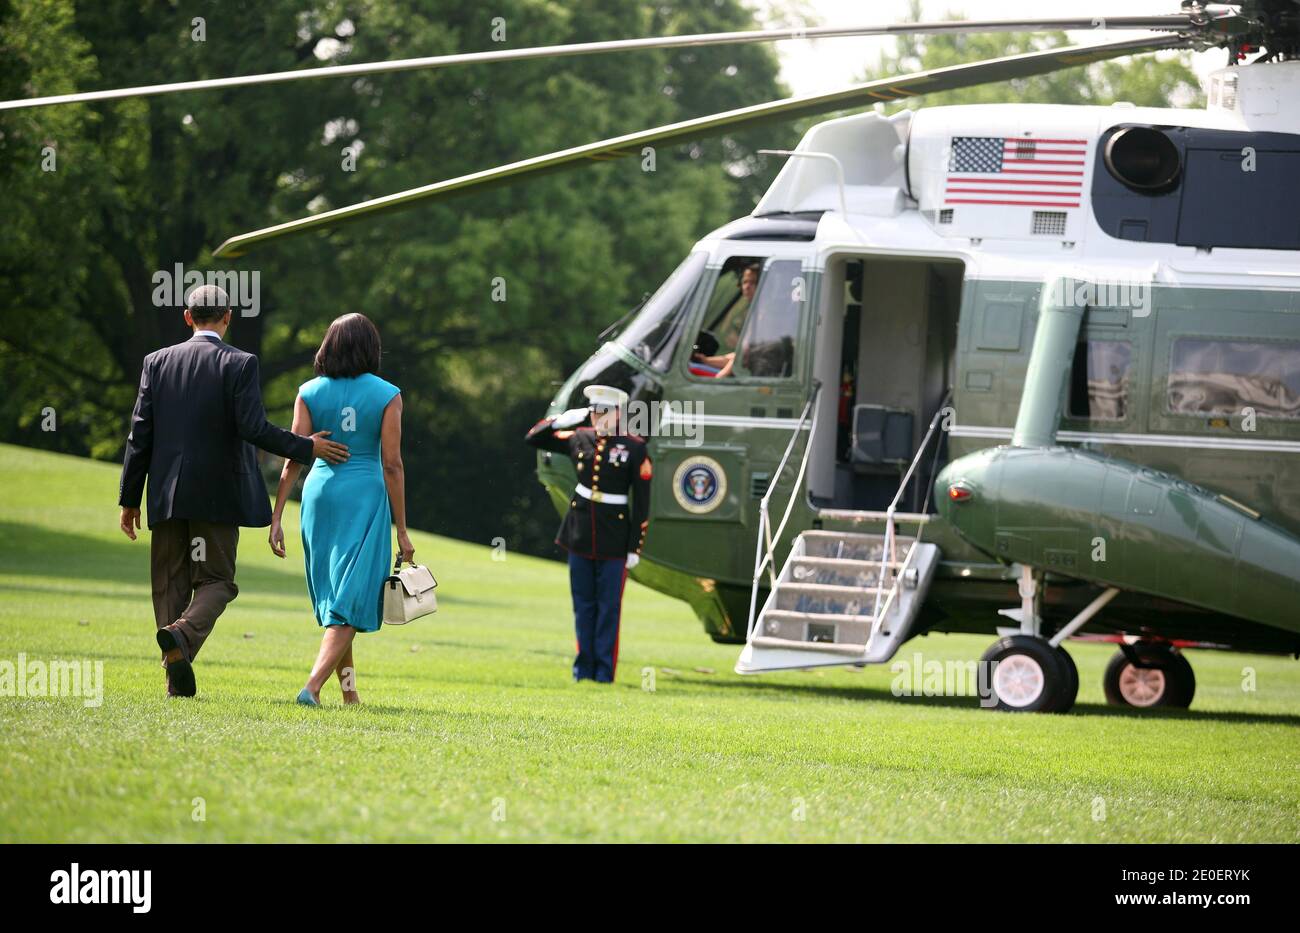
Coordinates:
[1183,23]
[861,95]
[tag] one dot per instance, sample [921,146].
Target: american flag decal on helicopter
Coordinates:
[1022,171]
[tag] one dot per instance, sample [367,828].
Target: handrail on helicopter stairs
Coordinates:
[764,558]
[889,554]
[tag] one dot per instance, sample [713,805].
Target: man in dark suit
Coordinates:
[197,418]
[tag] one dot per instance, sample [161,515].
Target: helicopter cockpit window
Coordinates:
[654,333]
[772,327]
[724,319]
[1099,380]
[1227,377]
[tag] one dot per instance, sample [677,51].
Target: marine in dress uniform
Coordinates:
[605,527]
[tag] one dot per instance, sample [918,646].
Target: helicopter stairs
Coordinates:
[839,600]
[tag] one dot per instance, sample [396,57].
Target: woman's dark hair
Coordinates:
[350,348]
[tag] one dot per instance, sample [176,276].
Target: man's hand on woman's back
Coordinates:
[329,451]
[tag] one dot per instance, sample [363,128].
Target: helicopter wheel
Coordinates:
[1028,675]
[1070,690]
[1163,678]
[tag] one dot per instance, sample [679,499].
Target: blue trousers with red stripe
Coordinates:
[597,587]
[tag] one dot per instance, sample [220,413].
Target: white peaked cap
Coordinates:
[605,397]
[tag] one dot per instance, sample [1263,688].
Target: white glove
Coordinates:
[633,560]
[569,419]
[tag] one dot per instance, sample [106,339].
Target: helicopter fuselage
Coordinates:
[904,264]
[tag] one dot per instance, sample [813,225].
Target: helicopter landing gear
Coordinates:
[1026,672]
[1149,674]
[1028,675]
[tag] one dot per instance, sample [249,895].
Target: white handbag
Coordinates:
[408,594]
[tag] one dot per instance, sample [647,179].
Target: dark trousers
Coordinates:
[192,564]
[597,587]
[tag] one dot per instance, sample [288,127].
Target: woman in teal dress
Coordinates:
[347,508]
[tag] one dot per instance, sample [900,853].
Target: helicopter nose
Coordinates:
[958,493]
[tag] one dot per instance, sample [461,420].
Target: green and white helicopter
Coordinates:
[1019,369]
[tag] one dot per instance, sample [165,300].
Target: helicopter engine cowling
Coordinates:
[1096,518]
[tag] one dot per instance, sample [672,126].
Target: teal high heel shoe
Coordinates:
[306,699]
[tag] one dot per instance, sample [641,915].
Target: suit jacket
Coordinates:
[196,420]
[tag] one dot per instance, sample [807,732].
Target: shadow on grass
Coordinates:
[32,549]
[388,708]
[698,686]
[971,702]
[293,673]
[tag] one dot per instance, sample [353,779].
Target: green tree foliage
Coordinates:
[147,183]
[141,185]
[1144,80]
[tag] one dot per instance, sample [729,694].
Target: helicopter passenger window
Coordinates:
[1225,377]
[714,352]
[654,333]
[767,341]
[1099,380]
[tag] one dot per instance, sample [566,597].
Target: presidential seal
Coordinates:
[699,485]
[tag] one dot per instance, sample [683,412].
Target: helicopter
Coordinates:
[1030,371]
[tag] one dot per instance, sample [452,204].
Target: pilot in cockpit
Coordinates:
[714,353]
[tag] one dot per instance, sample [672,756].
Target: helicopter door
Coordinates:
[888,349]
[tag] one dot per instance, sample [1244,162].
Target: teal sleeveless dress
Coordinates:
[346,522]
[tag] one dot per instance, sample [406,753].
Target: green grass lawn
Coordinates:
[472,730]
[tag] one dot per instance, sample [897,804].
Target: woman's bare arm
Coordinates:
[390,451]
[288,476]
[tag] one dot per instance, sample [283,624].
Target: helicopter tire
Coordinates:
[1165,678]
[1070,690]
[1028,675]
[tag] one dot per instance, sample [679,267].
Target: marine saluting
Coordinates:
[605,527]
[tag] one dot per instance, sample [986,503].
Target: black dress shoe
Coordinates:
[180,674]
